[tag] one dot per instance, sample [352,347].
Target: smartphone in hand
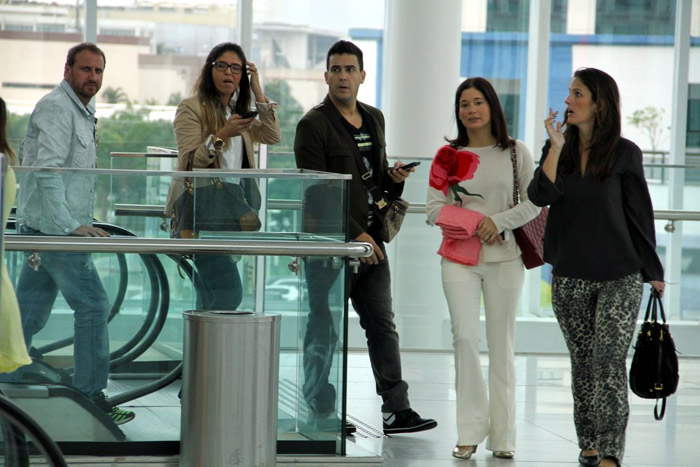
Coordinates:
[250,114]
[409,166]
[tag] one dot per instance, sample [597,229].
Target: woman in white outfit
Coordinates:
[475,172]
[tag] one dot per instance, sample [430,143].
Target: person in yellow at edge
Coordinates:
[13,350]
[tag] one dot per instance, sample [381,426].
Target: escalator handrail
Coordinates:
[179,246]
[153,323]
[48,448]
[155,313]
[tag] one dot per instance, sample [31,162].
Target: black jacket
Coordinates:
[319,145]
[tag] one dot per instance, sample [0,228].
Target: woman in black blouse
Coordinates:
[601,243]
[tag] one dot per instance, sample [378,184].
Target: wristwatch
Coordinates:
[218,143]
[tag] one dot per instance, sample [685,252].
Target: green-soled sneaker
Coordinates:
[120,415]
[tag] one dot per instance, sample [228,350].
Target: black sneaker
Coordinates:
[117,415]
[406,421]
[350,429]
[323,404]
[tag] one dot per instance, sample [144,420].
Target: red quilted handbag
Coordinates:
[529,237]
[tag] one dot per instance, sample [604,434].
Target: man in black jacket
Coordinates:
[332,137]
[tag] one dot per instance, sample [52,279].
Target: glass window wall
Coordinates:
[154,55]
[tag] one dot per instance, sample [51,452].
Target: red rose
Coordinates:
[451,167]
[441,167]
[464,167]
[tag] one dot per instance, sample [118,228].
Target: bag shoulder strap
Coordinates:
[514,160]
[365,174]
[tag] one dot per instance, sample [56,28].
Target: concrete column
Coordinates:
[580,17]
[422,55]
[535,112]
[475,15]
[421,72]
[90,31]
[245,26]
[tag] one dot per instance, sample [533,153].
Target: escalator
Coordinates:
[21,437]
[46,392]
[66,414]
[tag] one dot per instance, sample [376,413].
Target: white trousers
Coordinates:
[480,415]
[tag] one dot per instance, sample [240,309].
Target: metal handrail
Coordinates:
[179,246]
[287,174]
[659,215]
[153,210]
[676,215]
[156,210]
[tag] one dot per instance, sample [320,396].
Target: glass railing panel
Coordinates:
[148,291]
[421,313]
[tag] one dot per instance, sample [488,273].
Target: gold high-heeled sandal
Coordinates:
[463,452]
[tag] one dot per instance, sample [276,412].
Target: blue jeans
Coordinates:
[370,294]
[74,275]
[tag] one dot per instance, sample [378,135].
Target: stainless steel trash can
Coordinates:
[229,389]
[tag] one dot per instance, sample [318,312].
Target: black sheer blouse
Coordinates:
[599,230]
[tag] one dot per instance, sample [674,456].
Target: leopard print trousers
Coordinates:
[598,319]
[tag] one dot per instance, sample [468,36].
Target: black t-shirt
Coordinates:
[364,142]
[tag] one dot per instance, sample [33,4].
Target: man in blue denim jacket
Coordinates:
[62,133]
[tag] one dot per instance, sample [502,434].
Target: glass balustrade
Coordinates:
[298,222]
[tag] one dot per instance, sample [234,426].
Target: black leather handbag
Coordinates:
[654,370]
[215,206]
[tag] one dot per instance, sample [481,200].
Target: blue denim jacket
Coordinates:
[61,133]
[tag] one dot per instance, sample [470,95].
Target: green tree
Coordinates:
[649,120]
[114,95]
[128,131]
[175,98]
[16,129]
[125,131]
[281,155]
[290,112]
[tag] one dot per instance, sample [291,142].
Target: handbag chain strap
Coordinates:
[365,174]
[514,161]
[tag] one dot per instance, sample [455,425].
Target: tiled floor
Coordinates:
[546,435]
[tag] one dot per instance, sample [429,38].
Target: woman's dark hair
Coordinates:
[4,143]
[499,127]
[607,127]
[213,111]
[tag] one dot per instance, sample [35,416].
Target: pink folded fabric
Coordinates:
[458,228]
[460,218]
